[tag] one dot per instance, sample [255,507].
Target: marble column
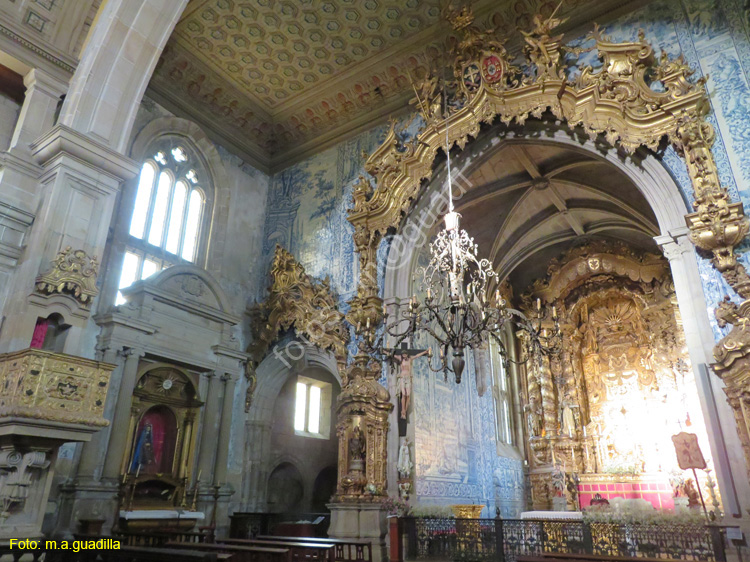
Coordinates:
[210,429]
[120,433]
[722,432]
[222,456]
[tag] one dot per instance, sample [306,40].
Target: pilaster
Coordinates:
[78,186]
[722,435]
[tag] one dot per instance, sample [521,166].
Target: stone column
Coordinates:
[19,185]
[120,433]
[257,453]
[210,425]
[220,472]
[95,450]
[722,434]
[77,189]
[43,93]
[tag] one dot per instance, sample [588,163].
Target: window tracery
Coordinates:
[166,224]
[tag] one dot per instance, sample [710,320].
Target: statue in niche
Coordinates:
[589,340]
[404,361]
[404,465]
[567,420]
[533,421]
[357,445]
[144,458]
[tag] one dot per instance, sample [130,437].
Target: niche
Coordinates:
[50,333]
[161,447]
[285,489]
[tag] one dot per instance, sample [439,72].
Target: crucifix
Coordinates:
[403,357]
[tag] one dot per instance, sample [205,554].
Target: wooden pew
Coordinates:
[345,550]
[301,551]
[144,554]
[242,553]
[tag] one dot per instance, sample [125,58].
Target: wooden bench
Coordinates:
[301,551]
[144,554]
[241,553]
[345,550]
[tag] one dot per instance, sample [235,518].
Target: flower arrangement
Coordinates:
[395,507]
[638,515]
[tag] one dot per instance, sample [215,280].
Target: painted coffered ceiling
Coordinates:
[277,80]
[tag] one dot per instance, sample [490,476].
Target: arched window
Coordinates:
[166,224]
[502,396]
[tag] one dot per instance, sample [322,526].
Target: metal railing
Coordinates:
[506,539]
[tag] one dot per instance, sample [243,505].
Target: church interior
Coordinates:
[368,280]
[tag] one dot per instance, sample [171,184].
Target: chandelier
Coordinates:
[457,311]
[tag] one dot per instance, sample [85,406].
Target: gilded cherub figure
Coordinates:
[427,97]
[541,47]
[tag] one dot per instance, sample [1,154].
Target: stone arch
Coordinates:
[115,67]
[669,205]
[272,374]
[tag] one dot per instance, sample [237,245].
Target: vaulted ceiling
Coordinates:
[277,80]
[531,201]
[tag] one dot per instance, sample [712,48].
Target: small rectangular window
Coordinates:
[313,416]
[312,408]
[300,407]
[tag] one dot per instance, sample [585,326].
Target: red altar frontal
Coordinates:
[654,488]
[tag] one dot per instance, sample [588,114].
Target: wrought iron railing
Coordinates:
[506,539]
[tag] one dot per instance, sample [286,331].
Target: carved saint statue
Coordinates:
[357,445]
[404,465]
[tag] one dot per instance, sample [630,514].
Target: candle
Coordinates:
[554,313]
[584,431]
[539,304]
[199,475]
[368,323]
[137,472]
[429,293]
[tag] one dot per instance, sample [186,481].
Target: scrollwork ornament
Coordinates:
[73,272]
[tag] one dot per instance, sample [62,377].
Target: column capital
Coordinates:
[40,80]
[127,352]
[675,244]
